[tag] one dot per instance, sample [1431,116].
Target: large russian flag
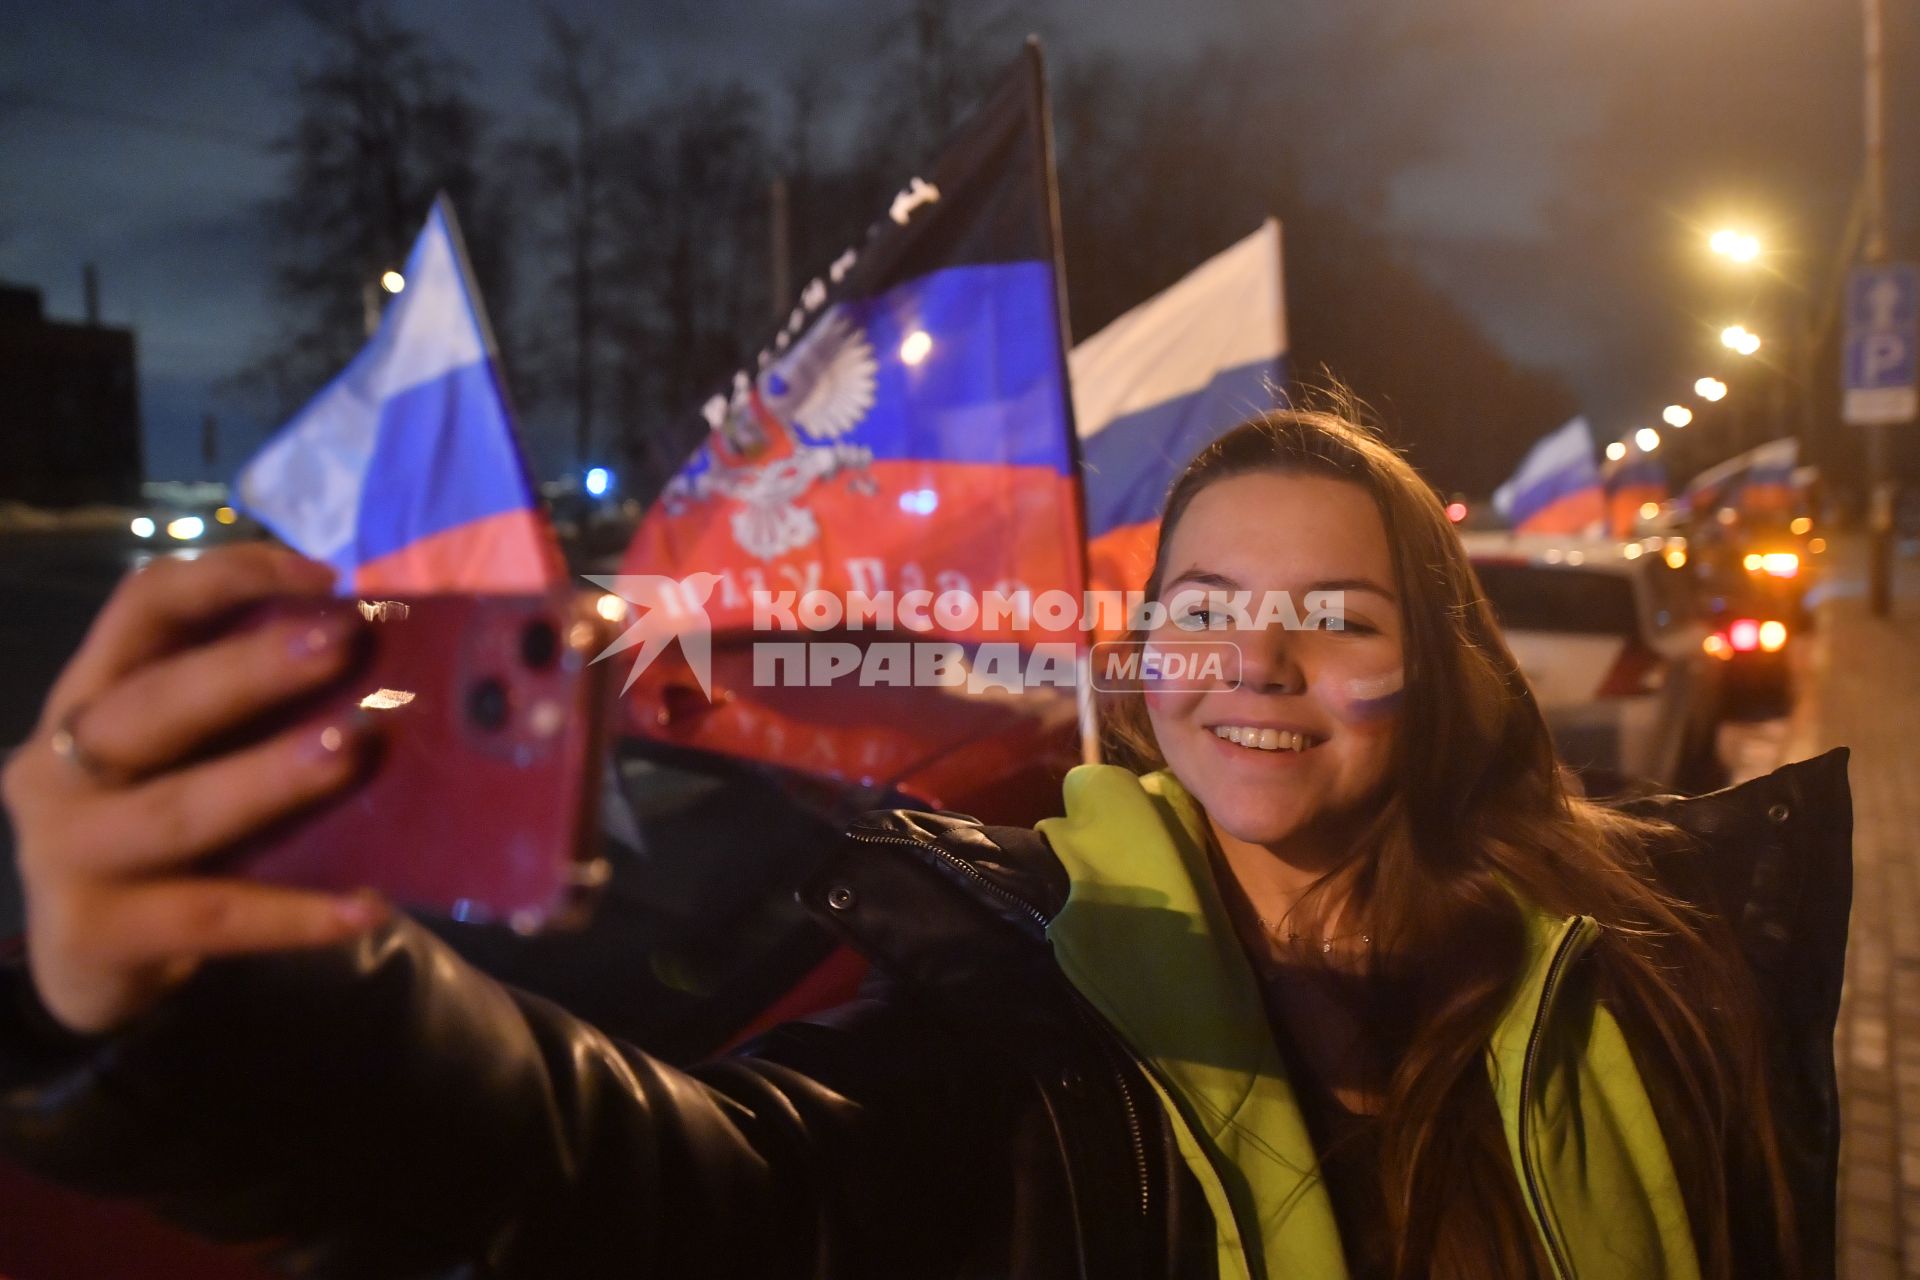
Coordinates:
[1164,380]
[1557,487]
[910,428]
[404,473]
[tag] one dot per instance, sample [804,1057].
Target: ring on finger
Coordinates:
[67,745]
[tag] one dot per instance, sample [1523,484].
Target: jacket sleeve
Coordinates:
[1773,858]
[383,1110]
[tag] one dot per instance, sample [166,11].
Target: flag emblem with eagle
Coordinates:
[824,386]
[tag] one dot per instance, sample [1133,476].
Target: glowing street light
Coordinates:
[1647,438]
[392,281]
[1737,245]
[1739,338]
[1710,389]
[1616,451]
[1676,415]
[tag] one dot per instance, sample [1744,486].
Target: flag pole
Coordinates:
[470,285]
[1050,189]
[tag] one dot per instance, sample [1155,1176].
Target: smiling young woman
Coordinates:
[1384,878]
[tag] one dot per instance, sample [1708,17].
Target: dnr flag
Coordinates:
[404,473]
[1163,381]
[910,427]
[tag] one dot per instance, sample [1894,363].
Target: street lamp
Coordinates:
[392,281]
[1736,245]
[1739,338]
[1647,438]
[1676,415]
[1616,451]
[1710,389]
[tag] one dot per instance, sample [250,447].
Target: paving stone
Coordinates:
[1860,688]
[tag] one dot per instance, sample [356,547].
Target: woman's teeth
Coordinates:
[1263,739]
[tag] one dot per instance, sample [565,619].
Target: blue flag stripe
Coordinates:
[1131,462]
[444,456]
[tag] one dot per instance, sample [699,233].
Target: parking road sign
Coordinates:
[1879,359]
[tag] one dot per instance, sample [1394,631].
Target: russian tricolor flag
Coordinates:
[1163,381]
[404,473]
[1557,488]
[1759,482]
[1631,483]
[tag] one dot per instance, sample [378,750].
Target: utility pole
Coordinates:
[1880,485]
[781,256]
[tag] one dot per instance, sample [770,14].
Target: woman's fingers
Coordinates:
[170,920]
[150,610]
[174,818]
[102,952]
[160,713]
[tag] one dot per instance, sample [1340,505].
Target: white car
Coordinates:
[1609,637]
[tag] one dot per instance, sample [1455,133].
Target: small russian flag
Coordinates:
[404,473]
[1557,488]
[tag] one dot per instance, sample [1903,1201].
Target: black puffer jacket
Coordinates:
[382,1110]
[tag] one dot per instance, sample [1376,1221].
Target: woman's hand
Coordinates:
[111,807]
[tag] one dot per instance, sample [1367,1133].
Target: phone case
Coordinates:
[481,800]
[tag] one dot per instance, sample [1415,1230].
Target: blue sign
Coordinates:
[1878,360]
[1883,297]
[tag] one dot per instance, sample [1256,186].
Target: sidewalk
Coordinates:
[1862,690]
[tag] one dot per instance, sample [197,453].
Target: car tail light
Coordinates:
[1718,646]
[1637,670]
[1744,635]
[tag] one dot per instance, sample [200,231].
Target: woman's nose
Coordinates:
[1268,663]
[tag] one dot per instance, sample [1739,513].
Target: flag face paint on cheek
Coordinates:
[1372,699]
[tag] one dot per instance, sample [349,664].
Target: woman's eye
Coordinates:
[1351,626]
[1195,620]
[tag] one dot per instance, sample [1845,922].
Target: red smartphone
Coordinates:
[481,801]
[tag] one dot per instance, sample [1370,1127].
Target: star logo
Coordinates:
[666,608]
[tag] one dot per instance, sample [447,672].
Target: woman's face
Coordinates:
[1317,707]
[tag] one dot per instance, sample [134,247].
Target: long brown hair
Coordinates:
[1478,819]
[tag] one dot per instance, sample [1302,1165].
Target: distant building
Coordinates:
[69,406]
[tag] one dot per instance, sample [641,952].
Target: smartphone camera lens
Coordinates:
[487,704]
[539,644]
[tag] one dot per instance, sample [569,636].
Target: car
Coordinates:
[1610,637]
[1755,582]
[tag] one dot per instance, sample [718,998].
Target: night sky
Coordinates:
[134,136]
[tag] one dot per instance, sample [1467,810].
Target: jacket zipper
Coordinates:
[1106,1040]
[1102,1035]
[1562,1267]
